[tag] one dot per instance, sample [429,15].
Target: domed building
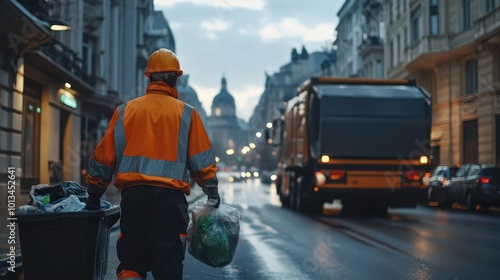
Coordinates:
[189,95]
[225,129]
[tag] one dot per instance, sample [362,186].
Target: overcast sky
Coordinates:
[244,39]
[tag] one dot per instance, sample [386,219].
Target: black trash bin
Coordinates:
[71,245]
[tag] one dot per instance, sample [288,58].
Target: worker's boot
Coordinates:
[129,275]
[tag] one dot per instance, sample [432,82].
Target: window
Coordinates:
[87,58]
[389,9]
[405,38]
[398,8]
[416,24]
[489,5]
[466,14]
[391,54]
[474,170]
[434,17]
[398,48]
[379,69]
[30,147]
[470,141]
[461,171]
[471,76]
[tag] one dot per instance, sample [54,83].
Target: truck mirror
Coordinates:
[273,134]
[267,134]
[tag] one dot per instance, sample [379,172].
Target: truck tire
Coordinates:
[285,200]
[292,189]
[306,204]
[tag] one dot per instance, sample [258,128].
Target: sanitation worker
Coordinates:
[150,145]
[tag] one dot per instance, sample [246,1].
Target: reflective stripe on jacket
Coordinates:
[154,140]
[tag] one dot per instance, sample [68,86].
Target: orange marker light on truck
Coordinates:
[337,174]
[412,176]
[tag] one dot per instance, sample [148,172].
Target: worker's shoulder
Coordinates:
[166,100]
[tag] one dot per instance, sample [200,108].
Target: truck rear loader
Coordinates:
[362,141]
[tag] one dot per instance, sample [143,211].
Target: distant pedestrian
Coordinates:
[149,146]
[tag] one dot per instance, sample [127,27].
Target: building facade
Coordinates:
[371,49]
[281,87]
[60,88]
[350,30]
[227,133]
[189,95]
[452,49]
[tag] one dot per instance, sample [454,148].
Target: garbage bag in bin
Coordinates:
[213,233]
[66,245]
[42,195]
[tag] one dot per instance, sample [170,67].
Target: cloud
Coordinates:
[290,27]
[213,39]
[247,99]
[214,25]
[223,4]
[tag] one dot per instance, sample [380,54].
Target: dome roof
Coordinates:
[184,89]
[224,97]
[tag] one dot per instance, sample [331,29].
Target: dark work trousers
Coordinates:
[152,221]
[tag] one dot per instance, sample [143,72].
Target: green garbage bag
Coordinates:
[213,233]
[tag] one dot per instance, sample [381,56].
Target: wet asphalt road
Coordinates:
[422,243]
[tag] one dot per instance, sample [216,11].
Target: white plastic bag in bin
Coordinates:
[213,233]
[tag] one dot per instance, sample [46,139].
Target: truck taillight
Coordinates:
[412,176]
[337,174]
[484,180]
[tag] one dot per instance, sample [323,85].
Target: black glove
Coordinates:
[93,202]
[212,193]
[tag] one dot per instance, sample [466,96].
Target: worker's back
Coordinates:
[152,123]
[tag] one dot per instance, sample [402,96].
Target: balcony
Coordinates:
[429,44]
[68,60]
[371,44]
[372,4]
[427,52]
[488,23]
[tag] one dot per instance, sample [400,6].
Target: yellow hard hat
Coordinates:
[163,60]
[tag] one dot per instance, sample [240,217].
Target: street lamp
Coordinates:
[58,24]
[269,125]
[258,134]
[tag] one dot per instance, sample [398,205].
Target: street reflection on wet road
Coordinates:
[422,243]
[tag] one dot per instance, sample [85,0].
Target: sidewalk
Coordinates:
[113,196]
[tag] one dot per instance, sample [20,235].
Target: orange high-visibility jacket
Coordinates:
[153,140]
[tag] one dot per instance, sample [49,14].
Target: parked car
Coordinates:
[472,185]
[440,177]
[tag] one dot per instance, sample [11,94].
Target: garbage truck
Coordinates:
[365,142]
